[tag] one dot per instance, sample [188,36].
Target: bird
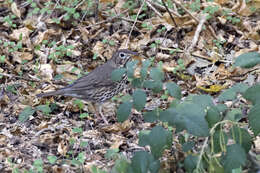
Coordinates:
[97,86]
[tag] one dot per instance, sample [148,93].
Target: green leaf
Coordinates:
[121,165]
[254,119]
[188,117]
[253,94]
[137,82]
[156,74]
[174,90]
[44,108]
[188,146]
[158,139]
[130,66]
[26,113]
[204,101]
[213,116]
[235,157]
[190,163]
[234,114]
[143,162]
[227,95]
[124,111]
[94,169]
[242,137]
[230,94]
[156,86]
[139,98]
[112,153]
[151,116]
[247,60]
[117,74]
[144,68]
[52,159]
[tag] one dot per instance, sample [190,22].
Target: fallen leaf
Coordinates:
[15,10]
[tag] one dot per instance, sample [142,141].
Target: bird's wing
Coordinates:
[99,77]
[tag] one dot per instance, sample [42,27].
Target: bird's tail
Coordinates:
[51,93]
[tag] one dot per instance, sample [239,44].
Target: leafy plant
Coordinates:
[199,116]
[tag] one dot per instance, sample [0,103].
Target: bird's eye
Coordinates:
[122,55]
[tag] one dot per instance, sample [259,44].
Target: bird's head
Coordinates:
[122,56]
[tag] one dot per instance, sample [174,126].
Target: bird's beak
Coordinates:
[133,53]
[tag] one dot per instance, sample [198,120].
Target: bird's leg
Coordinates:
[100,113]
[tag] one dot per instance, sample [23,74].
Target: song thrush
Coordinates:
[97,86]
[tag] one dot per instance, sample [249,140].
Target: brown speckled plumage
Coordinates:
[97,86]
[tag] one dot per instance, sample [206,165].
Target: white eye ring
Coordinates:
[122,55]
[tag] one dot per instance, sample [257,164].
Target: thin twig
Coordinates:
[159,6]
[202,152]
[96,10]
[167,9]
[196,20]
[32,79]
[107,20]
[197,33]
[154,9]
[19,77]
[139,11]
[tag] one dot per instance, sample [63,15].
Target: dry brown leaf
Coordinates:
[221,1]
[169,66]
[45,35]
[117,141]
[119,127]
[21,56]
[252,47]
[99,49]
[63,148]
[91,134]
[180,21]
[245,9]
[67,68]
[15,10]
[22,33]
[46,71]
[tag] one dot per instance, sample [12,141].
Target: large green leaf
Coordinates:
[242,137]
[139,98]
[247,60]
[158,139]
[144,162]
[231,93]
[234,114]
[117,74]
[144,68]
[156,74]
[188,117]
[235,157]
[213,116]
[131,68]
[124,111]
[151,116]
[156,86]
[190,163]
[253,94]
[254,119]
[121,165]
[174,90]
[204,101]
